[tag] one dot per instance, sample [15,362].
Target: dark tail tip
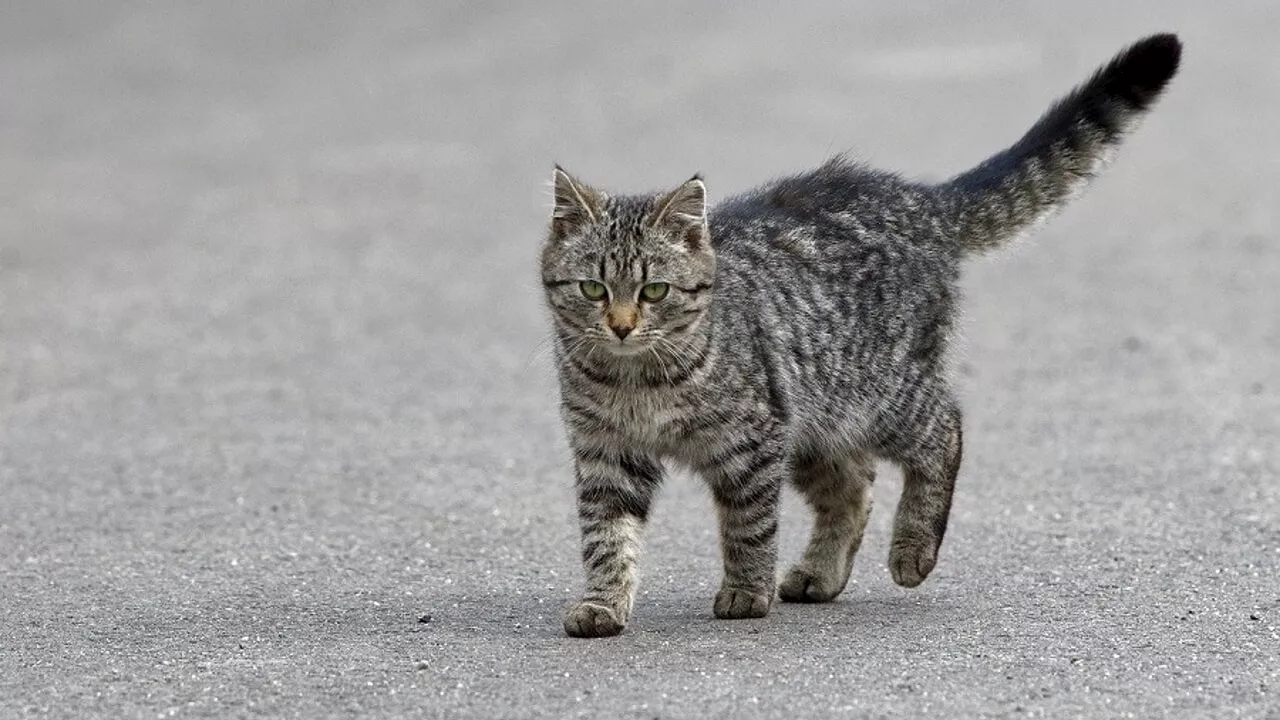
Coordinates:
[1141,71]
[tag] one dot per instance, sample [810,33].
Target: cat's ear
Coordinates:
[577,205]
[684,211]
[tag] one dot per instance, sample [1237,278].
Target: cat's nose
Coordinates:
[622,331]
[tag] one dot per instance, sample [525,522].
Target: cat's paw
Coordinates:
[592,620]
[733,603]
[807,585]
[911,563]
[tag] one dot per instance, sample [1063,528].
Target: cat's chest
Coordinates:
[650,419]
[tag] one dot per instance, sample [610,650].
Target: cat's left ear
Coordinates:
[684,211]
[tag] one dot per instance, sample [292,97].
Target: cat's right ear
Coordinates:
[577,205]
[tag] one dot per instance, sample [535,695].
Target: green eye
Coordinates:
[653,292]
[593,290]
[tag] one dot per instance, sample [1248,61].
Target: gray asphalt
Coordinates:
[277,422]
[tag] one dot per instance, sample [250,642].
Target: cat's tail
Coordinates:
[1014,190]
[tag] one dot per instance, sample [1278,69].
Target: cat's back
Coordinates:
[839,219]
[824,214]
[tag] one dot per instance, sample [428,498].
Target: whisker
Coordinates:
[538,352]
[570,347]
[676,354]
[661,365]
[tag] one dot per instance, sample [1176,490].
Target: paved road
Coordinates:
[272,387]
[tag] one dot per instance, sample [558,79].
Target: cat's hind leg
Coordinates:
[928,447]
[838,490]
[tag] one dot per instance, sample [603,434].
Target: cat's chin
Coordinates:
[626,350]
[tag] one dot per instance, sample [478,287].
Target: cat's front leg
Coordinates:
[615,489]
[746,476]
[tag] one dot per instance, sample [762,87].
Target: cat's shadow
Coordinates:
[688,619]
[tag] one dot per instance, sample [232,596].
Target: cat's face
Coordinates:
[627,275]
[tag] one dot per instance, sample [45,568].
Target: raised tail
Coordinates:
[1012,191]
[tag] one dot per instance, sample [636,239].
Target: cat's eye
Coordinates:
[593,290]
[653,292]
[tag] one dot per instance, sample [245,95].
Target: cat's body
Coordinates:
[793,333]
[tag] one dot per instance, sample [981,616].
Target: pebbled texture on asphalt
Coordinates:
[277,424]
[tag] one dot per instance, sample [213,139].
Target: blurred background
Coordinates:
[274,384]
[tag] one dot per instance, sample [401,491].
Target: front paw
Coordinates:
[591,620]
[734,603]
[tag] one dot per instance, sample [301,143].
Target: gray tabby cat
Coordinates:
[795,332]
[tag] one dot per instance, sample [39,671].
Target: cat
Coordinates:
[795,332]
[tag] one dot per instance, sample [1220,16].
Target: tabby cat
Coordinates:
[795,332]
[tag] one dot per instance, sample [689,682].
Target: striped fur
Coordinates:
[802,335]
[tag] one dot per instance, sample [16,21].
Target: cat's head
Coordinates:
[627,273]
